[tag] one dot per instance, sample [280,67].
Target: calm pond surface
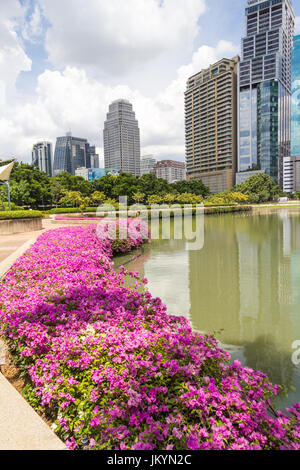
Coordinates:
[243,286]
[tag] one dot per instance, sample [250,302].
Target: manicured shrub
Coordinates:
[4,215]
[13,206]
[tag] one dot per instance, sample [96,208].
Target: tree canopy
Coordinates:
[260,188]
[34,188]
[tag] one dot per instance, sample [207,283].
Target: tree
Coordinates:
[297,195]
[261,186]
[191,187]
[152,200]
[73,198]
[57,190]
[20,193]
[138,197]
[189,198]
[74,183]
[239,197]
[98,197]
[37,185]
[169,198]
[150,185]
[85,202]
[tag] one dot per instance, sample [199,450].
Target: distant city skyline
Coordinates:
[49,83]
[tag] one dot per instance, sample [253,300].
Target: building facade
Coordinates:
[42,157]
[93,174]
[291,174]
[296,98]
[170,170]
[211,125]
[148,163]
[93,157]
[265,87]
[121,138]
[245,175]
[71,153]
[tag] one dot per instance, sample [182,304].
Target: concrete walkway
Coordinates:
[21,428]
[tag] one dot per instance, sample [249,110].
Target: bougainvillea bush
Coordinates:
[114,371]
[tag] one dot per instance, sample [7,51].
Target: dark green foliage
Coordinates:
[4,215]
[260,188]
[31,187]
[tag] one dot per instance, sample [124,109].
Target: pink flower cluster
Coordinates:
[114,371]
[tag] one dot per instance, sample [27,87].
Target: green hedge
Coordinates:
[20,215]
[228,209]
[207,209]
[71,210]
[14,207]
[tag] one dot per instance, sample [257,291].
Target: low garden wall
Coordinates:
[11,226]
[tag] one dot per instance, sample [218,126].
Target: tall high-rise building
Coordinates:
[121,137]
[42,156]
[291,174]
[291,165]
[94,157]
[147,164]
[71,153]
[265,87]
[295,151]
[211,125]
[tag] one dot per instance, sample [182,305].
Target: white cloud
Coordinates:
[33,28]
[117,36]
[13,59]
[72,100]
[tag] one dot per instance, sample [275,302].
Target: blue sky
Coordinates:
[63,61]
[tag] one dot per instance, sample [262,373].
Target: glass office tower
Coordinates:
[296,98]
[265,87]
[122,138]
[71,153]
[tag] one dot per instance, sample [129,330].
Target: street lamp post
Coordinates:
[8,195]
[2,201]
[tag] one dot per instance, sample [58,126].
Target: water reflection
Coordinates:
[245,281]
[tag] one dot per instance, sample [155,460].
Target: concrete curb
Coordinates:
[20,426]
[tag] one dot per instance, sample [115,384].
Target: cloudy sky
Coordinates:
[63,61]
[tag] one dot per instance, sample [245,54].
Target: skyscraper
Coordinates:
[296,98]
[42,156]
[121,137]
[170,170]
[265,87]
[291,165]
[94,157]
[211,125]
[71,153]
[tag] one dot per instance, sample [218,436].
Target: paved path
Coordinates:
[21,428]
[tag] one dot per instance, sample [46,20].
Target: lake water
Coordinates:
[243,286]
